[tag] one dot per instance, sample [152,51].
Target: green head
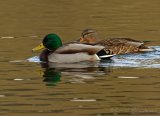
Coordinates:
[52,41]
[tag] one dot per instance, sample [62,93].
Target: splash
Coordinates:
[34,59]
[141,60]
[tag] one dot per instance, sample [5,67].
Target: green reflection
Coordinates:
[82,71]
[52,77]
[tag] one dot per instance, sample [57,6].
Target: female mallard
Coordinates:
[114,45]
[71,52]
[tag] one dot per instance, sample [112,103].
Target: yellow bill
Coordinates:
[39,47]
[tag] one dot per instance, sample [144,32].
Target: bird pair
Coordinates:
[87,48]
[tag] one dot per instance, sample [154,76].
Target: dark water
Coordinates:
[125,85]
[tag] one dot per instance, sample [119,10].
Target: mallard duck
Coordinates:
[114,45]
[67,53]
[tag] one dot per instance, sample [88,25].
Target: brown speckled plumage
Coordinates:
[114,45]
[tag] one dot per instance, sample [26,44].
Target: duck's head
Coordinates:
[50,41]
[88,36]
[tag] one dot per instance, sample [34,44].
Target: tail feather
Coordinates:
[149,49]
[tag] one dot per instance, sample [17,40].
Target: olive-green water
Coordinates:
[126,85]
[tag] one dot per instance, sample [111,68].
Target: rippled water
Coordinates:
[142,60]
[125,85]
[137,60]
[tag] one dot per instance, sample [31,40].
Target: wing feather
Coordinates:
[77,48]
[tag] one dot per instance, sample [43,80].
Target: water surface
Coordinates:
[125,85]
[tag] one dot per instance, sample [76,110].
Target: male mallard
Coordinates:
[114,45]
[71,52]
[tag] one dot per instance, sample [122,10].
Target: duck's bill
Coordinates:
[39,47]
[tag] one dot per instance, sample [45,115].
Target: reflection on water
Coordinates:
[141,60]
[51,76]
[52,72]
[88,70]
[100,88]
[125,85]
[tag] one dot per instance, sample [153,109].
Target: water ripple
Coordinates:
[141,60]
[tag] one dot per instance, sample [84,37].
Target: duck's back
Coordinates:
[123,45]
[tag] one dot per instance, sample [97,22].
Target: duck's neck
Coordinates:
[44,55]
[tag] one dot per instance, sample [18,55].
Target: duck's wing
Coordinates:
[131,45]
[130,41]
[77,48]
[122,45]
[124,40]
[121,42]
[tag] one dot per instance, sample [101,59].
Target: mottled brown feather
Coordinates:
[117,45]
